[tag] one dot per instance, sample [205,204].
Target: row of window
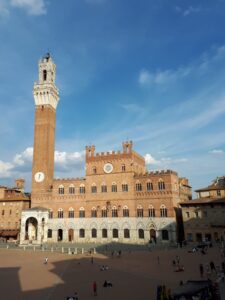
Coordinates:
[10,212]
[115,233]
[104,188]
[114,212]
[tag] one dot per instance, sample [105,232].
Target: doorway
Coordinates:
[60,235]
[70,235]
[153,235]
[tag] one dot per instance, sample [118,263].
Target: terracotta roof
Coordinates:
[218,184]
[203,201]
[8,232]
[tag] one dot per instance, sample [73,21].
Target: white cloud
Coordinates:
[150,160]
[25,156]
[212,112]
[68,159]
[186,12]
[191,10]
[133,108]
[169,160]
[196,68]
[164,161]
[21,165]
[217,152]
[5,169]
[33,7]
[3,8]
[162,77]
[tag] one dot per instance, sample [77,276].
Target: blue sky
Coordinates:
[148,71]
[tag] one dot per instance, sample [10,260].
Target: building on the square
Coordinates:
[12,202]
[117,200]
[204,217]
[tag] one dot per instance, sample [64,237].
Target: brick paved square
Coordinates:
[23,274]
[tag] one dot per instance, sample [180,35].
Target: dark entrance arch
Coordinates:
[60,235]
[71,235]
[31,229]
[153,235]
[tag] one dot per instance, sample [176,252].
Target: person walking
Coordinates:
[212,266]
[201,269]
[94,288]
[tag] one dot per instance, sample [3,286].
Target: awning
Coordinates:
[191,288]
[9,233]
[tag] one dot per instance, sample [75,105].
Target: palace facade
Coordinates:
[12,201]
[116,201]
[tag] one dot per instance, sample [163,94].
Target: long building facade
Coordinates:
[204,217]
[116,201]
[12,201]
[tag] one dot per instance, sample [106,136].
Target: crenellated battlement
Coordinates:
[156,173]
[127,150]
[70,179]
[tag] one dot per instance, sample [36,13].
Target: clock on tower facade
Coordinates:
[46,98]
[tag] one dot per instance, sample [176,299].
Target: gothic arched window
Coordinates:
[44,75]
[61,189]
[60,213]
[140,211]
[125,211]
[163,211]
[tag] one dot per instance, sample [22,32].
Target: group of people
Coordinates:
[211,268]
[106,283]
[163,293]
[116,253]
[104,268]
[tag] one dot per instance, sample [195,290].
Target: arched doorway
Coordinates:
[71,235]
[31,229]
[60,235]
[153,235]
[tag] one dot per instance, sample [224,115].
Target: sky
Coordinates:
[150,71]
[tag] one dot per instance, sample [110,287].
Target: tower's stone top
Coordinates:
[45,91]
[47,56]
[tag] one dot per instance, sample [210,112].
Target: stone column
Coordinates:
[65,235]
[22,232]
[55,235]
[39,232]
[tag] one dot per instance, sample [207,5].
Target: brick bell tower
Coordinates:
[46,97]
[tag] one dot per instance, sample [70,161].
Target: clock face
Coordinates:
[39,176]
[108,168]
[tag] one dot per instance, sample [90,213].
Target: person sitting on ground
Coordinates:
[107,284]
[203,251]
[179,268]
